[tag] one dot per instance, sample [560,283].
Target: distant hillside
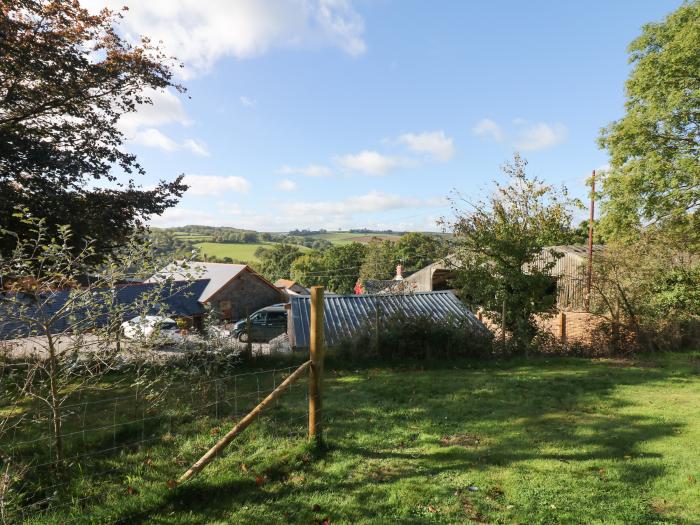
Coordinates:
[228,244]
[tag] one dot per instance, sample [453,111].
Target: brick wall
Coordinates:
[578,327]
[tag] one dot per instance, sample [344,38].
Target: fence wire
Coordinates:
[106,440]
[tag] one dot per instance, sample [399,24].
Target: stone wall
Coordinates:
[244,295]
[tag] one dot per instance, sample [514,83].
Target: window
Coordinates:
[276,318]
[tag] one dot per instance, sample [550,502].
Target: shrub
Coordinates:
[402,337]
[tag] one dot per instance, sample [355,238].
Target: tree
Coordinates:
[342,264]
[648,292]
[336,268]
[276,262]
[498,243]
[381,258]
[74,329]
[418,250]
[655,148]
[310,270]
[66,78]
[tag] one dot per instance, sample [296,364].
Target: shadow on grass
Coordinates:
[562,411]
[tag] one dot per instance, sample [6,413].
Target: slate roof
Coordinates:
[218,274]
[177,299]
[345,315]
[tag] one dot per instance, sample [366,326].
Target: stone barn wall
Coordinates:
[245,294]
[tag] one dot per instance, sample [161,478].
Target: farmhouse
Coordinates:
[346,315]
[234,290]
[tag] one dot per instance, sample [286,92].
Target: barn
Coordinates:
[234,290]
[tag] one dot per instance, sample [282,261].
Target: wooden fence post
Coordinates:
[316,372]
[562,327]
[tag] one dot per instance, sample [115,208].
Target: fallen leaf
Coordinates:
[260,480]
[692,480]
[171,484]
[244,467]
[131,491]
[215,431]
[432,509]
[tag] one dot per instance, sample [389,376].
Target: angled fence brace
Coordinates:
[243,424]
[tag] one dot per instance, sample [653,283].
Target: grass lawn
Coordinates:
[557,440]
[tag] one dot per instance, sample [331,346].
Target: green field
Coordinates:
[348,237]
[558,440]
[237,252]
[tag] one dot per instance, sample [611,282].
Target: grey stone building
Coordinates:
[234,290]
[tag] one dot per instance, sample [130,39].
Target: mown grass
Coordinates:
[556,440]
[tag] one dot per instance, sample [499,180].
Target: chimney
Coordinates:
[399,273]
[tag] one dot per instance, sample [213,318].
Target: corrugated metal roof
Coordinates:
[345,315]
[219,274]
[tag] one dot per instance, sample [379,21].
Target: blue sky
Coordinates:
[340,114]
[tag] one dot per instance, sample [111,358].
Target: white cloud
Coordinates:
[287,185]
[247,102]
[488,128]
[435,143]
[540,136]
[371,202]
[196,146]
[344,213]
[215,185]
[371,162]
[183,216]
[153,138]
[342,25]
[141,126]
[312,170]
[166,108]
[201,32]
[526,137]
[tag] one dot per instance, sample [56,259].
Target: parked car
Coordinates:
[162,330]
[265,324]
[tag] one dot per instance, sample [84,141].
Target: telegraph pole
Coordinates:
[589,277]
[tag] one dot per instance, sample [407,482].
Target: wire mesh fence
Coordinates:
[111,432]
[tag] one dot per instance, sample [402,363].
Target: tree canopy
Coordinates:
[498,240]
[655,147]
[66,78]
